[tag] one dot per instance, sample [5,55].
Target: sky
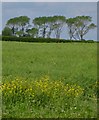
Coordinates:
[49,0]
[37,9]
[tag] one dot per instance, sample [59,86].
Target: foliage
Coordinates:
[18,24]
[7,31]
[48,24]
[71,26]
[40,40]
[41,24]
[79,26]
[33,32]
[45,26]
[20,33]
[58,25]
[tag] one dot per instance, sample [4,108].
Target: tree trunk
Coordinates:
[81,36]
[70,34]
[23,28]
[49,34]
[13,31]
[44,31]
[58,36]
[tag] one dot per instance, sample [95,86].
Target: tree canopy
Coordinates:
[45,27]
[79,26]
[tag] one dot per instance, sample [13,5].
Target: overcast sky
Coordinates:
[36,9]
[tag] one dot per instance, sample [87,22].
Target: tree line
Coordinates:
[45,27]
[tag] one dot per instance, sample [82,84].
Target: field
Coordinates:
[69,71]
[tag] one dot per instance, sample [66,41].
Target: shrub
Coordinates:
[7,31]
[41,40]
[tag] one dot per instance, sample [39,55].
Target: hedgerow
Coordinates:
[42,40]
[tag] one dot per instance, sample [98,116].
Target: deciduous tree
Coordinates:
[59,22]
[79,26]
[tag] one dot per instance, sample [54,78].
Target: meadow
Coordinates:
[49,80]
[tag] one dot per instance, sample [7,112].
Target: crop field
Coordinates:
[49,80]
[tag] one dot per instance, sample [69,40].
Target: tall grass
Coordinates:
[70,63]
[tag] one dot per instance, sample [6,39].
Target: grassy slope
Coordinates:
[70,62]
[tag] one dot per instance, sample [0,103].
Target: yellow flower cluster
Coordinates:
[23,89]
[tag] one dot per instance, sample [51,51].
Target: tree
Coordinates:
[50,28]
[41,24]
[7,31]
[18,24]
[71,27]
[59,22]
[23,22]
[12,23]
[51,21]
[80,26]
[46,25]
[33,32]
[83,26]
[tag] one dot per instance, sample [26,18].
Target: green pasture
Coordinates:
[71,63]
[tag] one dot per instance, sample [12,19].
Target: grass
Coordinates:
[70,63]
